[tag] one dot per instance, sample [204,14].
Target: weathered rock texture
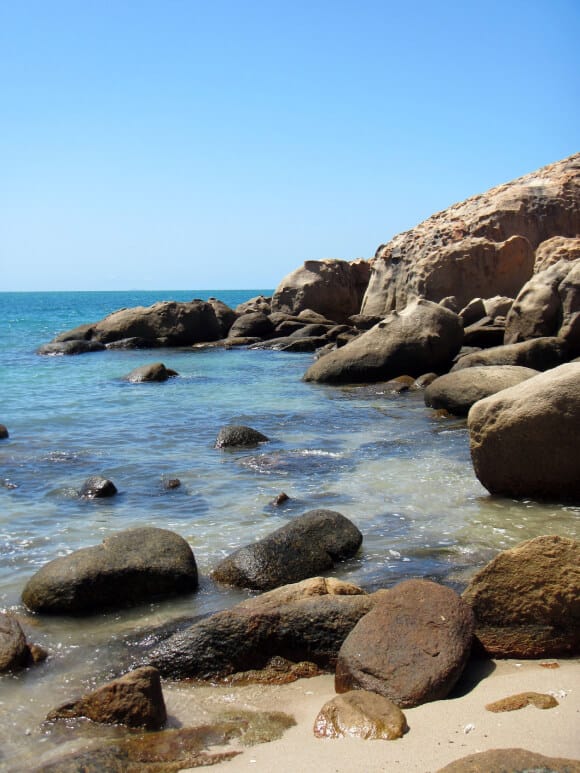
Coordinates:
[411,647]
[238,435]
[14,651]
[360,714]
[555,249]
[306,546]
[129,568]
[481,247]
[524,440]
[511,761]
[527,600]
[135,700]
[538,354]
[306,621]
[458,391]
[548,305]
[423,337]
[333,288]
[516,702]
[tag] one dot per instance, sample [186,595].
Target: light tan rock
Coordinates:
[521,700]
[555,249]
[360,714]
[478,248]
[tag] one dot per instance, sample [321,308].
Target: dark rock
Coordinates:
[312,330]
[411,647]
[279,499]
[458,391]
[171,483]
[473,312]
[224,315]
[302,548]
[288,326]
[135,700]
[129,568]
[70,347]
[97,487]
[155,371]
[538,354]
[527,600]
[14,652]
[422,337]
[511,761]
[3,432]
[399,384]
[252,324]
[237,435]
[524,440]
[364,321]
[498,306]
[360,714]
[306,621]
[133,343]
[485,333]
[423,381]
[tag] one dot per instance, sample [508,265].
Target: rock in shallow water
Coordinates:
[97,487]
[238,435]
[155,371]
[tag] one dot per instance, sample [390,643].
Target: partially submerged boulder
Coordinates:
[306,621]
[457,392]
[411,647]
[134,700]
[333,288]
[155,371]
[15,651]
[360,714]
[526,601]
[238,435]
[524,440]
[306,546]
[4,432]
[423,337]
[97,487]
[128,568]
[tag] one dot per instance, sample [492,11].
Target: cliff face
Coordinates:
[481,247]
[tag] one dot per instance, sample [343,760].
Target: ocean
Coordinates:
[400,471]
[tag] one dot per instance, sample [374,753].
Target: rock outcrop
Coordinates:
[306,621]
[423,337]
[457,392]
[128,568]
[306,546]
[524,440]
[411,647]
[481,247]
[134,700]
[527,600]
[333,288]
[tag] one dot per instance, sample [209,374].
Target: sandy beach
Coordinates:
[439,732]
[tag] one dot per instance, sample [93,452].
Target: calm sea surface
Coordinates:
[399,471]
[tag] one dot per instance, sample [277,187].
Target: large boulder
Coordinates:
[458,391]
[411,647]
[154,371]
[333,288]
[555,249]
[526,601]
[423,337]
[524,440]
[128,568]
[548,305]
[481,247]
[252,324]
[306,546]
[168,323]
[134,700]
[537,354]
[306,621]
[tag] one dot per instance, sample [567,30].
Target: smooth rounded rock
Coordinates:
[155,371]
[14,651]
[238,435]
[97,487]
[360,714]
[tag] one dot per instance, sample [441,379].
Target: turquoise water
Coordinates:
[399,471]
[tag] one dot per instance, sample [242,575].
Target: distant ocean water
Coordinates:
[399,471]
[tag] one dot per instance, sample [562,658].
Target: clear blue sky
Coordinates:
[182,144]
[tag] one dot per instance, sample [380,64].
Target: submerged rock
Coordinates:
[238,435]
[3,432]
[302,548]
[129,568]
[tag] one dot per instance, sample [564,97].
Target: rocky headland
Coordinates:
[479,306]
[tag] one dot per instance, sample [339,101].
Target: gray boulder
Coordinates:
[306,546]
[537,354]
[155,371]
[411,647]
[129,568]
[306,621]
[524,440]
[457,392]
[237,436]
[73,346]
[423,337]
[252,324]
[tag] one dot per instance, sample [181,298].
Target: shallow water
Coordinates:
[398,470]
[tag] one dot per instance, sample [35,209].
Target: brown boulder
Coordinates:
[3,432]
[555,249]
[511,761]
[411,647]
[135,700]
[333,288]
[14,651]
[423,337]
[527,600]
[252,324]
[480,247]
[360,714]
[524,440]
[538,354]
[155,371]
